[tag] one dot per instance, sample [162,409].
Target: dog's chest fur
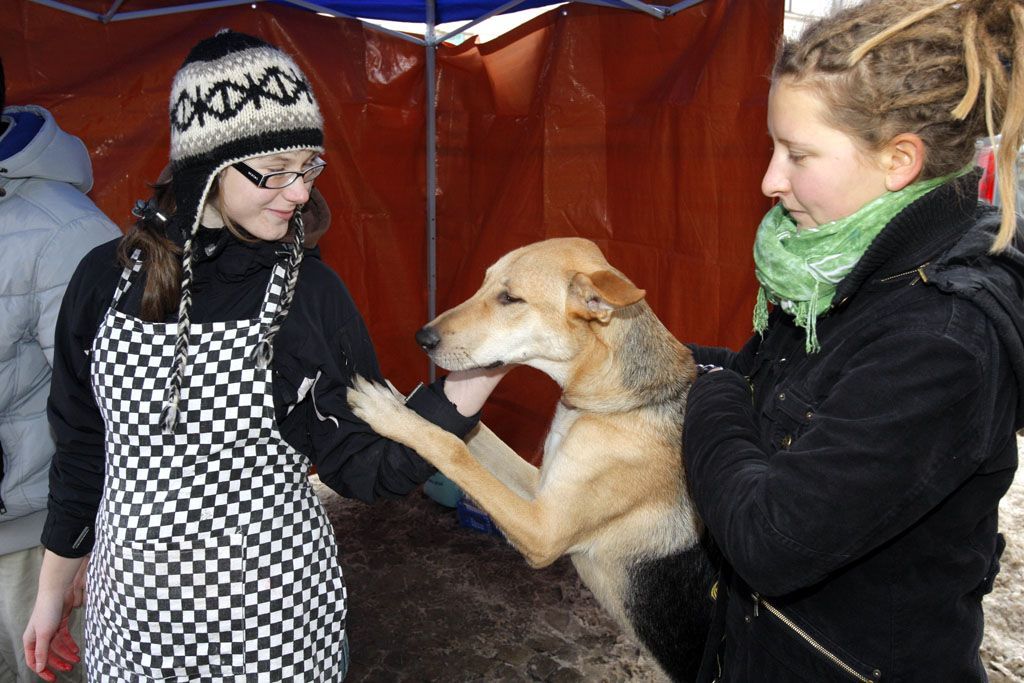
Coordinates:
[561,424]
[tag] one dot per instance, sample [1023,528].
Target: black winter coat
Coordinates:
[855,496]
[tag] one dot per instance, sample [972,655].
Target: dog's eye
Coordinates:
[505,299]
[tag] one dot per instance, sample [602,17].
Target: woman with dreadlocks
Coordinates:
[201,368]
[849,460]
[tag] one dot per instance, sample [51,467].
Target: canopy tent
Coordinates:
[430,12]
[646,136]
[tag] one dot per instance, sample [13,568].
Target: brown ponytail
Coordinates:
[949,71]
[161,256]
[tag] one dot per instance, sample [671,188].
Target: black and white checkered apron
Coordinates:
[214,560]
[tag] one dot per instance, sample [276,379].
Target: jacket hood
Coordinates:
[993,282]
[50,153]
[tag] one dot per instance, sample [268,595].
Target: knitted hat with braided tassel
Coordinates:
[235,97]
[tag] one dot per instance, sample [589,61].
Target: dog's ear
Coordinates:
[597,295]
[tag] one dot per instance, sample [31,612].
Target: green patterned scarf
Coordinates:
[799,269]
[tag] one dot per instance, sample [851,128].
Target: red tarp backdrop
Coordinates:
[645,136]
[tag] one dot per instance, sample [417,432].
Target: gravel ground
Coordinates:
[430,600]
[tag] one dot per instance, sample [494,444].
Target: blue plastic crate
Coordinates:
[472,517]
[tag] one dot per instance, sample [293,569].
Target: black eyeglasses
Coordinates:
[278,180]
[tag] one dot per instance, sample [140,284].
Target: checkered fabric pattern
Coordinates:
[214,559]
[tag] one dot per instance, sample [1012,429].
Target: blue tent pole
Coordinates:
[431,176]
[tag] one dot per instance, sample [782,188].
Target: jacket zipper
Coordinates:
[919,271]
[758,600]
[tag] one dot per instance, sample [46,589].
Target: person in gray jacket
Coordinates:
[47,224]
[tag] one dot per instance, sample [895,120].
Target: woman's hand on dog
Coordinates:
[470,389]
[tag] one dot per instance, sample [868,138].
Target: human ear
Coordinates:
[902,161]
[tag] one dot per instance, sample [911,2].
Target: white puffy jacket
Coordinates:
[46,225]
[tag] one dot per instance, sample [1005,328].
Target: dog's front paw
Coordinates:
[381,408]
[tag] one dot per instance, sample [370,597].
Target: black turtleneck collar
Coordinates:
[919,233]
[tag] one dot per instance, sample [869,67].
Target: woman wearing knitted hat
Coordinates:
[201,368]
[855,498]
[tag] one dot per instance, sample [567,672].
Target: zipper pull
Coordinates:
[81,537]
[757,603]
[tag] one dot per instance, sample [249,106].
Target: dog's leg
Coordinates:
[503,462]
[541,532]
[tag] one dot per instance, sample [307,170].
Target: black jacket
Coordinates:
[855,497]
[321,344]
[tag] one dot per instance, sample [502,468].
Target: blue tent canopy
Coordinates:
[451,10]
[429,12]
[417,10]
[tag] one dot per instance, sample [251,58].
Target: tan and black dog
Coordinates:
[611,491]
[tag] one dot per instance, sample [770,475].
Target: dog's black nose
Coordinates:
[428,338]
